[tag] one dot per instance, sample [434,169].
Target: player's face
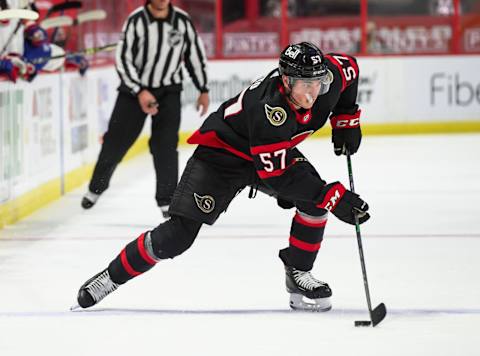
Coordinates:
[305,92]
[160,5]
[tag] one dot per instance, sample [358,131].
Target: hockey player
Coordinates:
[250,141]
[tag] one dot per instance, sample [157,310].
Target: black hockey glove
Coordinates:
[344,204]
[346,139]
[346,132]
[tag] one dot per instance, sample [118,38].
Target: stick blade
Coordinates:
[92,15]
[22,14]
[58,21]
[378,314]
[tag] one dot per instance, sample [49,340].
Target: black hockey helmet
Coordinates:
[304,60]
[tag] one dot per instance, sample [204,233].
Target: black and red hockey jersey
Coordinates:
[262,126]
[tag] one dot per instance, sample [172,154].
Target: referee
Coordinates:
[157,38]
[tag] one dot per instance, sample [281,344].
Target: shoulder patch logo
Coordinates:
[276,115]
[205,203]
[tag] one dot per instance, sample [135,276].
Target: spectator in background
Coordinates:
[15,65]
[38,50]
[37,54]
[441,7]
[157,38]
[273,8]
[375,41]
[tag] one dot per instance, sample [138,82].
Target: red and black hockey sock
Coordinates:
[167,240]
[135,259]
[306,235]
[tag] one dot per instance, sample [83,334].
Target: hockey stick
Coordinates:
[57,21]
[92,15]
[379,313]
[88,51]
[65,20]
[10,38]
[26,6]
[21,14]
[84,17]
[68,5]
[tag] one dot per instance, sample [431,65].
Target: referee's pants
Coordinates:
[125,126]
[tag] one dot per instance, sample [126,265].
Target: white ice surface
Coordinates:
[226,295]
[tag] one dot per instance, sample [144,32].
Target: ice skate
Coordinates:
[89,200]
[306,292]
[95,289]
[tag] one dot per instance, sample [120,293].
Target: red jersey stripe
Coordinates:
[275,173]
[300,137]
[210,139]
[255,150]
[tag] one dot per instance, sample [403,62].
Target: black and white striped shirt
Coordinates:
[152,50]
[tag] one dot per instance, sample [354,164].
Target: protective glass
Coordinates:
[311,84]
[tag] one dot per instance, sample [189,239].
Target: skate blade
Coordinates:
[75,307]
[299,302]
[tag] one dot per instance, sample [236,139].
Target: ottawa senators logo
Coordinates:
[205,203]
[276,115]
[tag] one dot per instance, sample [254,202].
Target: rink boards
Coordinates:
[51,129]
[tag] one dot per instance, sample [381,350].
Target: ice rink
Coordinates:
[226,295]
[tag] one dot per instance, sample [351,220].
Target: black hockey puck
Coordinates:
[362,323]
